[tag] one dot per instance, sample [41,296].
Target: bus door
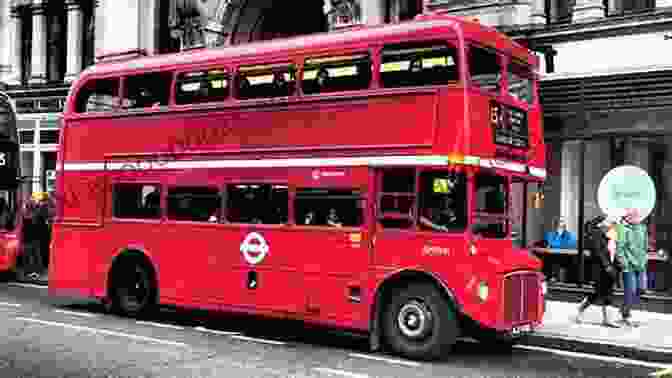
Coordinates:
[421,219]
[334,242]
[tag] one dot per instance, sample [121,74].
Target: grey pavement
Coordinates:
[651,340]
[45,337]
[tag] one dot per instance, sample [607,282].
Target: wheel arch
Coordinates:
[390,283]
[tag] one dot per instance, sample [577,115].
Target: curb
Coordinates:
[584,345]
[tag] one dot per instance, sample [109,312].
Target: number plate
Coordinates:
[521,330]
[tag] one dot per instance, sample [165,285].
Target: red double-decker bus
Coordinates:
[360,179]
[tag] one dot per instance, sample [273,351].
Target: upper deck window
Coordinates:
[520,82]
[98,96]
[484,69]
[266,81]
[418,65]
[147,91]
[336,74]
[202,86]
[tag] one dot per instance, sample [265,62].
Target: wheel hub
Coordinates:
[414,320]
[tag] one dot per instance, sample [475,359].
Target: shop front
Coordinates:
[594,123]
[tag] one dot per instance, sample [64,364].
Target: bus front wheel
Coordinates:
[419,322]
[133,291]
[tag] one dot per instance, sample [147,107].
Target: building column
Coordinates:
[569,195]
[588,10]
[538,12]
[14,47]
[39,54]
[75,38]
[373,12]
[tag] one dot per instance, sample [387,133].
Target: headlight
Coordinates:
[483,291]
[544,287]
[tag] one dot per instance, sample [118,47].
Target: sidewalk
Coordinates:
[650,341]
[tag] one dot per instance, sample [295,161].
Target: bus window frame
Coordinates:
[282,61]
[116,107]
[201,67]
[448,42]
[468,179]
[224,220]
[501,60]
[510,60]
[151,109]
[363,196]
[372,51]
[170,220]
[141,181]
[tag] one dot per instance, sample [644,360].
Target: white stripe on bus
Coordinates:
[155,163]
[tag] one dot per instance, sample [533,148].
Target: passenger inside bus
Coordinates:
[322,79]
[439,215]
[333,220]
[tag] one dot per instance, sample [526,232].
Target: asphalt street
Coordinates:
[46,337]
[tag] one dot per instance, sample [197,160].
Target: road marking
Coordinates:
[625,361]
[20,284]
[388,360]
[77,313]
[160,325]
[247,338]
[10,304]
[216,332]
[103,332]
[340,372]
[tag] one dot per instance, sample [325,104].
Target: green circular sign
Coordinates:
[626,187]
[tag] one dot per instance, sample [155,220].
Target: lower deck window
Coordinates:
[329,207]
[138,201]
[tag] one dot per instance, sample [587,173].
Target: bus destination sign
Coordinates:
[509,125]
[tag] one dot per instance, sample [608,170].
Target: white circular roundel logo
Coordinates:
[254,248]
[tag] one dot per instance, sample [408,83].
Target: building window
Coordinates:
[48,136]
[402,10]
[27,136]
[637,5]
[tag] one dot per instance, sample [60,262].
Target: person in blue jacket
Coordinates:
[560,238]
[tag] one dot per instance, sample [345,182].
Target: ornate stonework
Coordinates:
[344,13]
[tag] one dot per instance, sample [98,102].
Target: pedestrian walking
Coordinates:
[631,249]
[601,241]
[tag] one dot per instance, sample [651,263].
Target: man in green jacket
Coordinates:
[631,252]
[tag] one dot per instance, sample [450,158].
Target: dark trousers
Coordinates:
[604,289]
[632,284]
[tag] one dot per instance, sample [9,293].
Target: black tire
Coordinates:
[133,290]
[419,322]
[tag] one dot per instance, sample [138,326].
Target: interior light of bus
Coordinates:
[395,66]
[472,160]
[190,87]
[218,84]
[262,79]
[318,61]
[279,187]
[472,249]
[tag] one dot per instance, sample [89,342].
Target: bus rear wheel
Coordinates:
[419,322]
[133,291]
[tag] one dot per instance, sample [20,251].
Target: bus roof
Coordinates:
[314,43]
